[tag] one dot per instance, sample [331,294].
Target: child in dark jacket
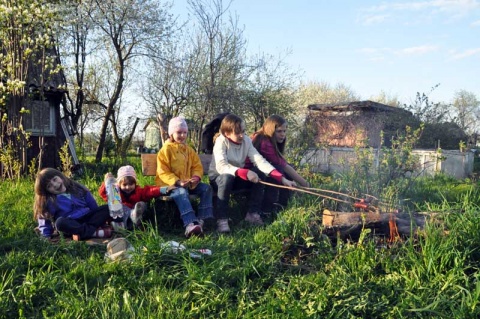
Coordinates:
[134,197]
[68,206]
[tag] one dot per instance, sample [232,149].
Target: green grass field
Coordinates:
[252,272]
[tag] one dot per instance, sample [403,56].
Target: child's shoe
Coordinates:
[117,225]
[254,218]
[137,213]
[193,229]
[222,226]
[103,232]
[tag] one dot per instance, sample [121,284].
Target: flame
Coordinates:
[392,225]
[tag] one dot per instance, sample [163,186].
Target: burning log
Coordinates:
[348,225]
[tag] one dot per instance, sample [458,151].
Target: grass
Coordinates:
[286,269]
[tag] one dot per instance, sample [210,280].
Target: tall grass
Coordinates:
[286,269]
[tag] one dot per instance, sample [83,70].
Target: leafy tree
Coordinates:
[268,90]
[27,29]
[385,98]
[467,108]
[426,111]
[441,128]
[315,92]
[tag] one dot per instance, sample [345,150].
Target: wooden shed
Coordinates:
[44,99]
[357,123]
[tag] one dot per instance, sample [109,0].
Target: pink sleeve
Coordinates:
[276,175]
[242,173]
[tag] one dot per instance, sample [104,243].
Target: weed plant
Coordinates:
[286,269]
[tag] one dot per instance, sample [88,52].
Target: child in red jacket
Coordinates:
[133,196]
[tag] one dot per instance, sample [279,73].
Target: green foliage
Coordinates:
[66,160]
[10,163]
[445,135]
[286,269]
[32,168]
[384,174]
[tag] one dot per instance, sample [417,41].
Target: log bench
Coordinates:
[149,168]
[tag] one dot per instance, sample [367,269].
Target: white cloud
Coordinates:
[441,5]
[465,54]
[451,8]
[373,19]
[417,50]
[476,23]
[381,54]
[374,54]
[368,50]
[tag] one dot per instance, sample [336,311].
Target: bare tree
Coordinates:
[270,89]
[75,49]
[171,82]
[206,71]
[223,46]
[128,29]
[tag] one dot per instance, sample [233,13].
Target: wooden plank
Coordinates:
[149,164]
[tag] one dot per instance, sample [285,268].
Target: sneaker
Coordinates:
[201,222]
[137,213]
[117,225]
[193,229]
[222,226]
[254,218]
[103,232]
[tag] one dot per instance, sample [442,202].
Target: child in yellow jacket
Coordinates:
[178,164]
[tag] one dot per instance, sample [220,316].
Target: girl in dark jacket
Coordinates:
[68,206]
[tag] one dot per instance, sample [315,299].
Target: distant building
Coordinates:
[153,140]
[357,123]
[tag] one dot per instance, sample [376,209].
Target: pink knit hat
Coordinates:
[126,171]
[175,124]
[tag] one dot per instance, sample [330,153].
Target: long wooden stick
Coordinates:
[315,191]
[328,191]
[304,191]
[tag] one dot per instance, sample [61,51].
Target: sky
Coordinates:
[396,47]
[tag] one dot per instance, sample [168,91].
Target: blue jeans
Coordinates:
[205,207]
[224,184]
